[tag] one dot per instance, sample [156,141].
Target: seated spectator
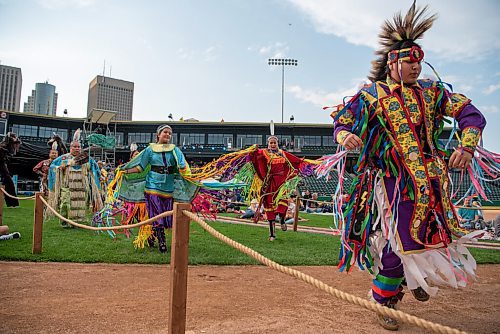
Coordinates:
[250,211]
[479,224]
[5,235]
[290,212]
[313,205]
[305,196]
[467,217]
[496,227]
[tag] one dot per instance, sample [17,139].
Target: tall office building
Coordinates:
[11,82]
[111,94]
[43,100]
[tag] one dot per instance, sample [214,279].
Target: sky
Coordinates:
[208,59]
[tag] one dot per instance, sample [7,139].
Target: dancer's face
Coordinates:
[75,149]
[409,71]
[53,154]
[165,136]
[273,144]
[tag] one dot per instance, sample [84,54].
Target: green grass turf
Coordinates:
[79,245]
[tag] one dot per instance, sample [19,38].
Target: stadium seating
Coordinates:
[322,186]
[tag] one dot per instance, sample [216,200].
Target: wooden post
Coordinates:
[38,224]
[179,270]
[2,202]
[296,214]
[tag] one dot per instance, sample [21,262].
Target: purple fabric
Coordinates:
[405,212]
[339,126]
[156,204]
[470,116]
[393,268]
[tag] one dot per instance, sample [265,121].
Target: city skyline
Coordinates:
[208,60]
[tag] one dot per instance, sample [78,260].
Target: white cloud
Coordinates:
[464,88]
[209,54]
[321,98]
[491,89]
[488,109]
[53,4]
[454,36]
[276,50]
[185,54]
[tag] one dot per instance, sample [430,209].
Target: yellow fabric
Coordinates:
[162,147]
[456,104]
[145,232]
[470,137]
[218,166]
[341,136]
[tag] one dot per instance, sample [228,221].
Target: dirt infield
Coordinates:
[102,298]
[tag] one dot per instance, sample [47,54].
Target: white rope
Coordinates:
[9,195]
[372,306]
[106,228]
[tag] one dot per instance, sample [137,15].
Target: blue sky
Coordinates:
[207,59]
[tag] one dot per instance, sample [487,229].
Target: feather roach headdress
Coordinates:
[397,39]
[77,135]
[271,130]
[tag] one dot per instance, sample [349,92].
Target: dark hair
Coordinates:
[380,71]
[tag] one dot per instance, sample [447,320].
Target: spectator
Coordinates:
[467,217]
[4,233]
[290,212]
[250,211]
[313,206]
[479,223]
[305,197]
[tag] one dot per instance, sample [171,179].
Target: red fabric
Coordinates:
[274,170]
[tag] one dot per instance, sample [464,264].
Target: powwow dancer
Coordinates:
[127,200]
[163,165]
[60,146]
[271,176]
[8,148]
[167,178]
[74,183]
[399,219]
[278,172]
[42,169]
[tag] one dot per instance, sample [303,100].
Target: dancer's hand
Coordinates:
[460,159]
[352,142]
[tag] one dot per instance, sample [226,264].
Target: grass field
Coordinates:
[78,245]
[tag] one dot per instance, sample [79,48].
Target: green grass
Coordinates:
[309,219]
[78,245]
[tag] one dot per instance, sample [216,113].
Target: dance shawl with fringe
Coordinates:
[402,163]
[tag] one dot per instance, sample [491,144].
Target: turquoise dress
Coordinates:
[161,167]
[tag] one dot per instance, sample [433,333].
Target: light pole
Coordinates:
[282,62]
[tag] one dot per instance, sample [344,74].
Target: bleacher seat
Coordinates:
[322,186]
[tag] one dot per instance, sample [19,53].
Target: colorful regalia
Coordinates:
[277,174]
[73,187]
[42,169]
[399,220]
[271,176]
[163,177]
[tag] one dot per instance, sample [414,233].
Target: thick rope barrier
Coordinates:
[106,228]
[15,197]
[372,306]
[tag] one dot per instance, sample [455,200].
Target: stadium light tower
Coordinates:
[282,62]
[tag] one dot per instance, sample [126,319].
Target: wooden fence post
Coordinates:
[179,270]
[296,214]
[2,202]
[38,224]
